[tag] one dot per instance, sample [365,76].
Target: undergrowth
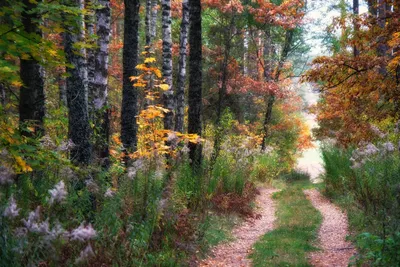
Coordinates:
[365,182]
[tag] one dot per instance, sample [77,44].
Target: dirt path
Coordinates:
[235,253]
[336,251]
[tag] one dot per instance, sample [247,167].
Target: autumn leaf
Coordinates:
[150,60]
[164,86]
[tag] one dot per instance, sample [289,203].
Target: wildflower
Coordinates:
[158,174]
[92,186]
[67,173]
[172,137]
[11,211]
[109,193]
[83,233]
[185,149]
[131,172]
[6,175]
[66,146]
[58,194]
[138,164]
[371,149]
[21,232]
[388,147]
[47,142]
[55,232]
[377,131]
[86,254]
[33,217]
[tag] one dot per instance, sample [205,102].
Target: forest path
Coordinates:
[235,253]
[336,251]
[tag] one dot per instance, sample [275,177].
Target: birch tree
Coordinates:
[168,95]
[99,83]
[181,80]
[76,83]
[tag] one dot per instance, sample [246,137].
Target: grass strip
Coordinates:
[296,232]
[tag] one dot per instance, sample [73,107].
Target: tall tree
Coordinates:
[195,79]
[356,52]
[287,46]
[154,12]
[168,95]
[76,83]
[180,88]
[130,60]
[31,99]
[99,83]
[148,21]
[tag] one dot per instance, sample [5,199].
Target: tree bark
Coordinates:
[382,46]
[32,98]
[168,96]
[130,60]
[246,52]
[356,52]
[372,8]
[77,94]
[180,89]
[148,21]
[271,100]
[99,84]
[195,80]
[154,12]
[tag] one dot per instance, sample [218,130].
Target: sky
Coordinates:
[318,18]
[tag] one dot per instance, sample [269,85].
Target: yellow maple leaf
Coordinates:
[16,83]
[150,60]
[164,86]
[157,72]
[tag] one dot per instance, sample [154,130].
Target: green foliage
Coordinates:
[268,167]
[295,232]
[377,251]
[370,194]
[335,177]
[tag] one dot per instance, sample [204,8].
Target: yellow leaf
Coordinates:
[150,60]
[164,86]
[16,83]
[157,72]
[22,164]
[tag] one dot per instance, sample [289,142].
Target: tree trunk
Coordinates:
[130,60]
[77,95]
[195,80]
[382,46]
[32,99]
[90,56]
[168,95]
[153,27]
[372,8]
[148,21]
[180,89]
[356,52]
[246,52]
[271,100]
[99,84]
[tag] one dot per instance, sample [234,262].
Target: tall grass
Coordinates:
[371,193]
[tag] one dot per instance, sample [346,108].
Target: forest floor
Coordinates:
[235,253]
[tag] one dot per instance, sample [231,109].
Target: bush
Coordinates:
[369,175]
